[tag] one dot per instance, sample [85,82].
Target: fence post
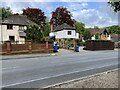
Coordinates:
[8,43]
[30,46]
[75,44]
[46,44]
[47,48]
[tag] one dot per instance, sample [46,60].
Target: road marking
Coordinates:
[10,68]
[44,78]
[78,79]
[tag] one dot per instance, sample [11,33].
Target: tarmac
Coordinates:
[22,56]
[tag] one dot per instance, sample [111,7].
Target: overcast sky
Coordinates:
[91,13]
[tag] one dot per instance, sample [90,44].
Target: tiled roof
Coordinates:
[63,26]
[95,30]
[18,20]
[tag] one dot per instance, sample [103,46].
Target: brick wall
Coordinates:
[28,47]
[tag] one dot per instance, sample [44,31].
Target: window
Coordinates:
[21,27]
[9,26]
[69,32]
[12,38]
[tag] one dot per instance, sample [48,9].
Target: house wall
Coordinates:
[5,33]
[64,34]
[102,37]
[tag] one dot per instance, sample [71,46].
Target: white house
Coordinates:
[12,29]
[63,32]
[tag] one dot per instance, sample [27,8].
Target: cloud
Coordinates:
[101,15]
[54,0]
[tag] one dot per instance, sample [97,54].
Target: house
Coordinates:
[63,32]
[103,34]
[12,28]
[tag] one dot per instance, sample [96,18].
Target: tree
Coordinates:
[115,29]
[34,34]
[115,4]
[36,15]
[80,28]
[60,16]
[46,30]
[97,35]
[86,34]
[5,13]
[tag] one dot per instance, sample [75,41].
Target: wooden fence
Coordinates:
[28,47]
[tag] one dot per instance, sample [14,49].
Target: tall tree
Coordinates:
[115,4]
[86,34]
[5,12]
[34,34]
[80,28]
[36,15]
[46,30]
[115,29]
[62,15]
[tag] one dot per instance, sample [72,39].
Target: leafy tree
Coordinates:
[114,29]
[115,4]
[5,13]
[36,15]
[46,30]
[86,34]
[34,34]
[97,35]
[80,28]
[61,15]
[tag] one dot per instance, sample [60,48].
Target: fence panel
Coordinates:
[19,47]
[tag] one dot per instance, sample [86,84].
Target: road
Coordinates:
[41,72]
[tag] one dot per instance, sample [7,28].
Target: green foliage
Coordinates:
[114,29]
[80,28]
[34,34]
[97,35]
[115,4]
[46,30]
[5,12]
[86,34]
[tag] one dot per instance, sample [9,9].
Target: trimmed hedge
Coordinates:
[99,45]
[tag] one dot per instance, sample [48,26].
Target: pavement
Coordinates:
[21,56]
[60,52]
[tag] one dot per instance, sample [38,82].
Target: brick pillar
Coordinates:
[75,43]
[46,44]
[8,43]
[30,46]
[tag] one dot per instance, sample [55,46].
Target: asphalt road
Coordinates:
[41,72]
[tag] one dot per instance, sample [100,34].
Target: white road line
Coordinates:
[78,79]
[43,78]
[10,68]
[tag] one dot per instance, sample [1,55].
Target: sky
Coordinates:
[89,12]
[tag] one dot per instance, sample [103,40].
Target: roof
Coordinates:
[17,20]
[63,26]
[115,37]
[95,30]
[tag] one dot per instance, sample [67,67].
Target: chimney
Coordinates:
[51,26]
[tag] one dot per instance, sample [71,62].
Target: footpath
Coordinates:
[23,56]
